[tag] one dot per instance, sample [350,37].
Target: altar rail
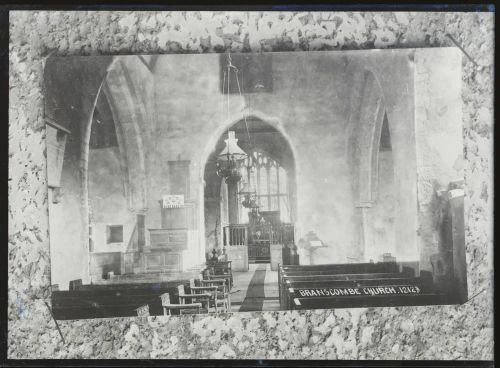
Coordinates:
[239,234]
[236,235]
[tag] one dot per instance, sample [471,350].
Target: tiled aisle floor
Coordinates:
[242,281]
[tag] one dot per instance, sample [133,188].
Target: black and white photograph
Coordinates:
[242,182]
[261,185]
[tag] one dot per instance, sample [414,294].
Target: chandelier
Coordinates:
[250,197]
[228,161]
[248,190]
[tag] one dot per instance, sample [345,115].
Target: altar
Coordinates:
[263,236]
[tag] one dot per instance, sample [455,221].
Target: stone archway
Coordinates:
[382,215]
[122,167]
[372,120]
[265,136]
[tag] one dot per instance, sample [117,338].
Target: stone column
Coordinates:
[365,239]
[232,194]
[276,256]
[238,255]
[141,231]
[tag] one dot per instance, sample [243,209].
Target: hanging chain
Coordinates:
[221,110]
[223,88]
[228,86]
[246,126]
[236,71]
[244,113]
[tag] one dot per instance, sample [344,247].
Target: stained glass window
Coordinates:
[269,179]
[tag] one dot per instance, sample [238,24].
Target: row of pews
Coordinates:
[354,285]
[208,293]
[211,292]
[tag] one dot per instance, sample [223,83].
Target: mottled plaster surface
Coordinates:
[437,332]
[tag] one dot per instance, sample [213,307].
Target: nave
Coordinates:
[255,290]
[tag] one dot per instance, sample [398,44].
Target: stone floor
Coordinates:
[255,290]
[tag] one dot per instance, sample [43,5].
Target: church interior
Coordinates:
[251,182]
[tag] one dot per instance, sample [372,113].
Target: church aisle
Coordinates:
[272,300]
[254,297]
[255,290]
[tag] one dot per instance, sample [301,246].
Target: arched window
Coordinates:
[102,133]
[269,179]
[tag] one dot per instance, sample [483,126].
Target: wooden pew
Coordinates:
[105,301]
[315,271]
[210,274]
[128,286]
[356,288]
[346,267]
[344,276]
[77,306]
[285,280]
[221,266]
[298,285]
[327,272]
[334,269]
[370,301]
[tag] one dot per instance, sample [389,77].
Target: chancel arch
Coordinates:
[269,169]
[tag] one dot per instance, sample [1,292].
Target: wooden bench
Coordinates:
[218,291]
[193,297]
[354,285]
[223,267]
[106,301]
[170,308]
[129,286]
[329,302]
[346,267]
[210,274]
[314,271]
[286,281]
[355,288]
[223,291]
[334,269]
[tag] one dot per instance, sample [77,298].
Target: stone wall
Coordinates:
[70,213]
[440,332]
[108,200]
[189,131]
[439,140]
[173,110]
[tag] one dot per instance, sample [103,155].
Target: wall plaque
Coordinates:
[173,201]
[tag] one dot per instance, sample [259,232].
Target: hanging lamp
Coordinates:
[227,164]
[248,190]
[228,160]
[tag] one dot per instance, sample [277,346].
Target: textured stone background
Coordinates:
[438,332]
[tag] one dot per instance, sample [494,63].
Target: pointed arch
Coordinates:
[371,114]
[127,114]
[364,139]
[258,123]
